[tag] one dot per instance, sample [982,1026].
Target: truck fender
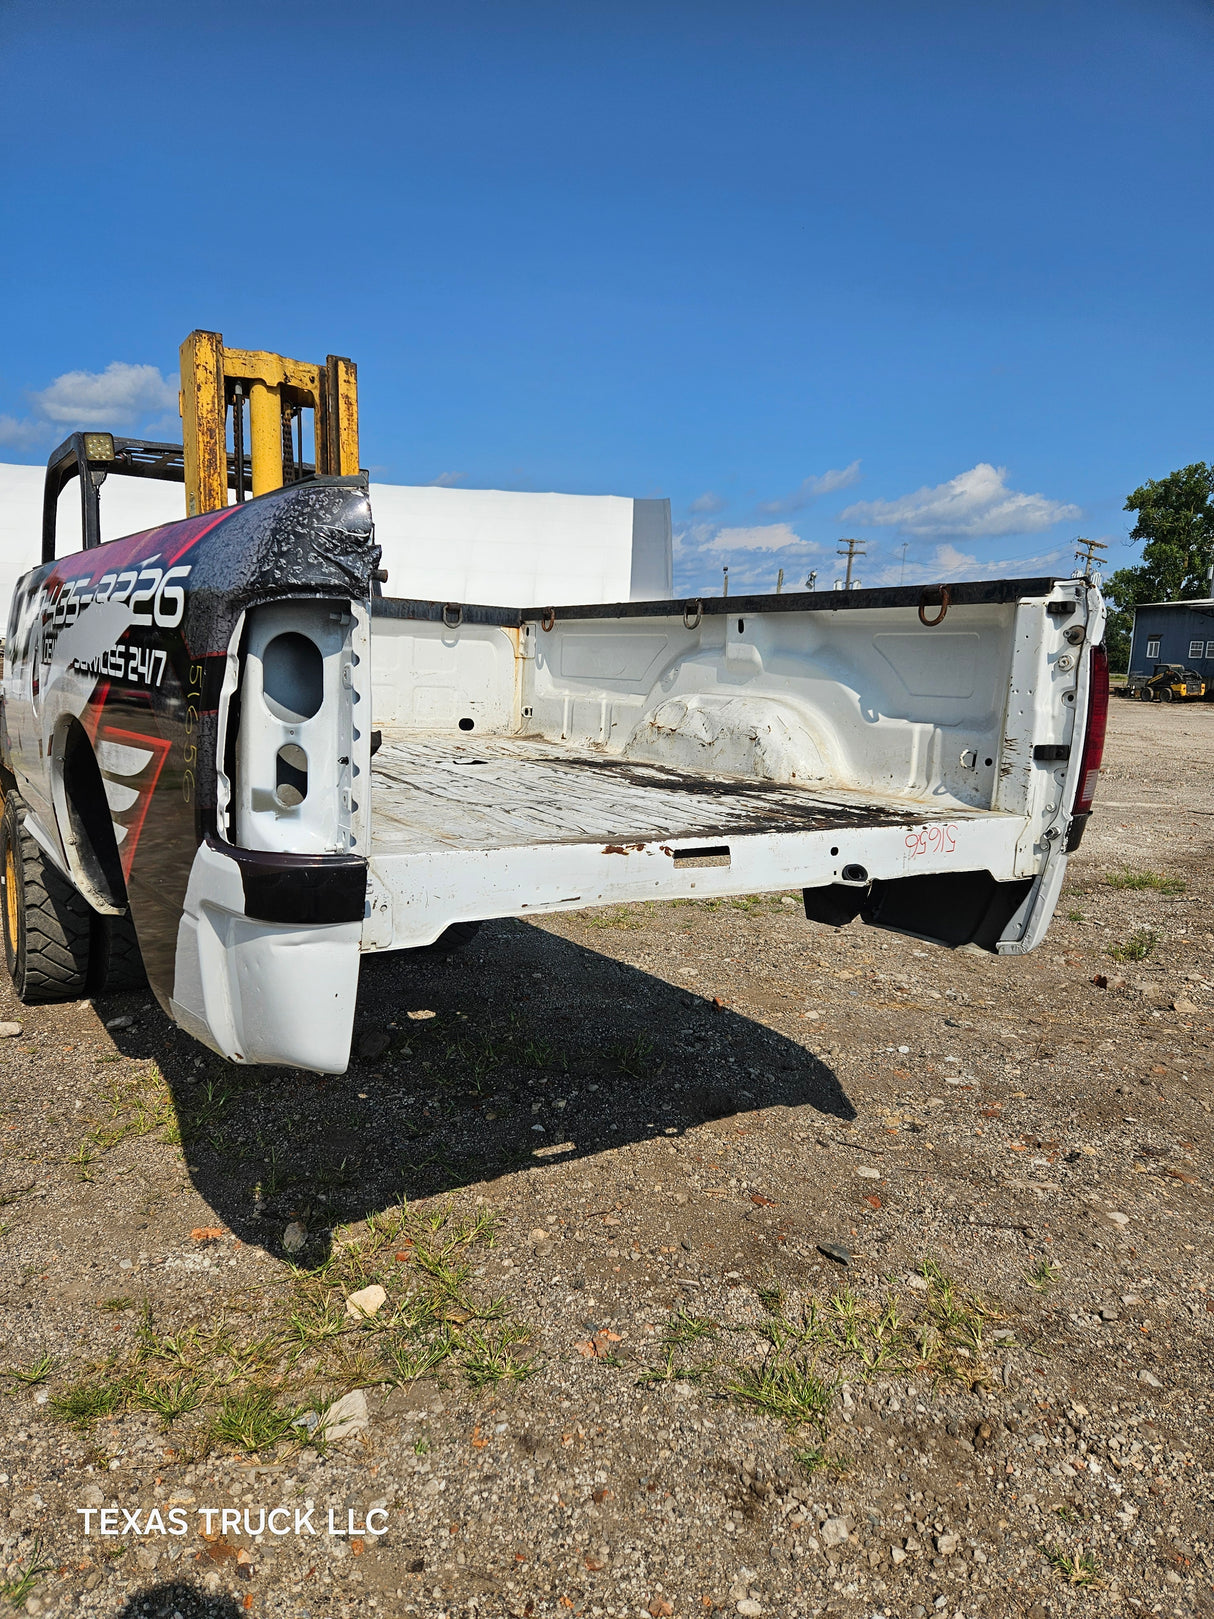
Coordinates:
[82,815]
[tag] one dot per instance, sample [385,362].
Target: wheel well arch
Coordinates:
[83,815]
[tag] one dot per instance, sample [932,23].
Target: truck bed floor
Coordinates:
[432,792]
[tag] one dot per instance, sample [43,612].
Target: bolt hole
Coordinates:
[741,626]
[989,761]
[466,724]
[834,851]
[291,776]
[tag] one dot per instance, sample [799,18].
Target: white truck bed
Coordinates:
[433,794]
[464,830]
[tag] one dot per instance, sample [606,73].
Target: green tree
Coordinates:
[1176,525]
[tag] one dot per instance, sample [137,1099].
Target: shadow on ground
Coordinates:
[519,1051]
[179,1600]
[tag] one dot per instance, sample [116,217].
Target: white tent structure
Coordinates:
[494,546]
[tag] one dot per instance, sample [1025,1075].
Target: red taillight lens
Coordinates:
[1093,741]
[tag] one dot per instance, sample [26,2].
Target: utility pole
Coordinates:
[780,582]
[854,550]
[725,588]
[902,570]
[1086,552]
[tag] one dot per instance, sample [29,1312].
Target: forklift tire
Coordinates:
[121,958]
[1168,694]
[49,928]
[1146,695]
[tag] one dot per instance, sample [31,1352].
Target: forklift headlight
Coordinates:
[99,446]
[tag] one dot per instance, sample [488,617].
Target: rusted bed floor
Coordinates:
[431,792]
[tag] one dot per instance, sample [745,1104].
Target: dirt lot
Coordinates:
[598,1167]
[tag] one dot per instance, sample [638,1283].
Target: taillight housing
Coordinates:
[1093,743]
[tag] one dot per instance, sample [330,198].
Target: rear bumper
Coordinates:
[267,956]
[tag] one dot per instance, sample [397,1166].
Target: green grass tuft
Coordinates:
[1076,1568]
[252,1420]
[1137,947]
[32,1375]
[1127,877]
[787,1390]
[84,1402]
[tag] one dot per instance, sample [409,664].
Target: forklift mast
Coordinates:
[216,382]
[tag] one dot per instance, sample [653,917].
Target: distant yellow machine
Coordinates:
[1170,683]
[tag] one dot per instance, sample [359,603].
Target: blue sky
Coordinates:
[935,276]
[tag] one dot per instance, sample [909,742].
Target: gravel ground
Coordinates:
[728,1262]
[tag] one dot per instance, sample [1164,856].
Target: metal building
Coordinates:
[1174,632]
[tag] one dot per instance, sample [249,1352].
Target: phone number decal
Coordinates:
[138,665]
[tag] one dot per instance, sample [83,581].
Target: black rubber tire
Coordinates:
[50,930]
[1168,694]
[121,958]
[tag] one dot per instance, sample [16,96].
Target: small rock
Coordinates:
[420,1016]
[10,1031]
[835,1251]
[361,1306]
[834,1532]
[897,1555]
[1109,1312]
[1180,1004]
[919,1283]
[1118,1219]
[1151,1381]
[537,1236]
[750,1607]
[374,1043]
[345,1417]
[946,1545]
[294,1238]
[867,1174]
[119,1022]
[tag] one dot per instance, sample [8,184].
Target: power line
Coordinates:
[1086,552]
[854,549]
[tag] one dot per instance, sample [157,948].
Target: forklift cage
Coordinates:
[214,380]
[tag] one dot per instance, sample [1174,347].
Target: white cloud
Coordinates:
[810,488]
[753,555]
[763,537]
[976,505]
[22,432]
[707,502]
[447,480]
[947,563]
[118,395]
